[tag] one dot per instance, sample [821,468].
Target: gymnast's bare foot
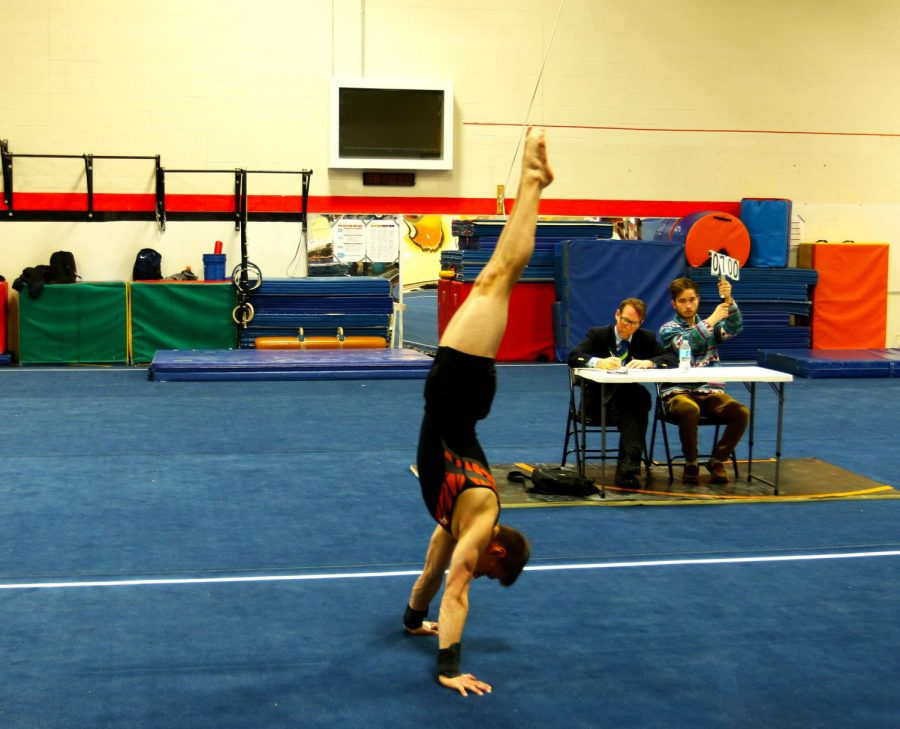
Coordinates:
[535,166]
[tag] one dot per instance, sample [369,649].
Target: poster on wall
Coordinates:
[355,245]
[377,245]
[427,236]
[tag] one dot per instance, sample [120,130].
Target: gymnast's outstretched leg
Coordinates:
[479,324]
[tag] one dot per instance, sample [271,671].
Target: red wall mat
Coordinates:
[529,329]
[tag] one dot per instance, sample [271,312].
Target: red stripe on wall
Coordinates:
[549,206]
[388,205]
[599,127]
[403,205]
[75,201]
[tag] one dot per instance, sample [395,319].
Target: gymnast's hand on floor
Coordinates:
[466,681]
[426,628]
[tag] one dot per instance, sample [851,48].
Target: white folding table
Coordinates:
[747,374]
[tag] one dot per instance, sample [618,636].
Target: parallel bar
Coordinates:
[202,172]
[280,172]
[81,156]
[231,172]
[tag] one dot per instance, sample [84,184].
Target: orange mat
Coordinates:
[320,343]
[849,302]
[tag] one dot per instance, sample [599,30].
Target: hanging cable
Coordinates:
[534,94]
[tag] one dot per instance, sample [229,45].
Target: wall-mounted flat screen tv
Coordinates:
[390,124]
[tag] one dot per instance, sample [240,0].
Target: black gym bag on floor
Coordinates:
[556,481]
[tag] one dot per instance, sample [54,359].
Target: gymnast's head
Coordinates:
[505,556]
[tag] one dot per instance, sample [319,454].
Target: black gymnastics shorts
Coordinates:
[458,393]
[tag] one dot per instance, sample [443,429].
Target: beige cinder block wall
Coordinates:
[647,100]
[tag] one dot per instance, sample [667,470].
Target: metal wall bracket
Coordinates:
[240,196]
[7,161]
[89,176]
[305,187]
[160,196]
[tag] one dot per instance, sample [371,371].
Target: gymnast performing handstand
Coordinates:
[457,486]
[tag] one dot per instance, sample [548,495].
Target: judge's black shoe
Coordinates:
[627,479]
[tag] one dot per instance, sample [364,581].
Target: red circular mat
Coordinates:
[719,232]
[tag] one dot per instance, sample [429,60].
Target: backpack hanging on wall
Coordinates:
[147,265]
[62,268]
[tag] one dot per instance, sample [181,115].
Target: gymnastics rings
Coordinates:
[250,285]
[243,313]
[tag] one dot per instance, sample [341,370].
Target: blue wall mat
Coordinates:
[593,276]
[769,223]
[559,337]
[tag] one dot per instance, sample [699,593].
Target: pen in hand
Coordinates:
[615,361]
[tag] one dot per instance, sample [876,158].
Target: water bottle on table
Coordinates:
[684,355]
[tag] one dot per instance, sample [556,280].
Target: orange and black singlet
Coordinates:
[460,474]
[458,392]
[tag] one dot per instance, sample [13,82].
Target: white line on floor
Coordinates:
[414,573]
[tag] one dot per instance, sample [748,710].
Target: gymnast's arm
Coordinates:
[440,550]
[475,530]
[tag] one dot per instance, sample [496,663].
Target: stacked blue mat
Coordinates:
[481,238]
[832,362]
[237,365]
[768,298]
[361,305]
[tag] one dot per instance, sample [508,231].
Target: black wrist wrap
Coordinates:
[448,661]
[412,619]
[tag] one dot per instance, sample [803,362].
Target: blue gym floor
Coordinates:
[238,554]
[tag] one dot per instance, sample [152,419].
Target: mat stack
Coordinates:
[478,239]
[361,306]
[770,299]
[529,330]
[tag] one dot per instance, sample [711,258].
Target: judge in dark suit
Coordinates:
[622,344]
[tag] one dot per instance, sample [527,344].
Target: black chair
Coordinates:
[579,427]
[661,417]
